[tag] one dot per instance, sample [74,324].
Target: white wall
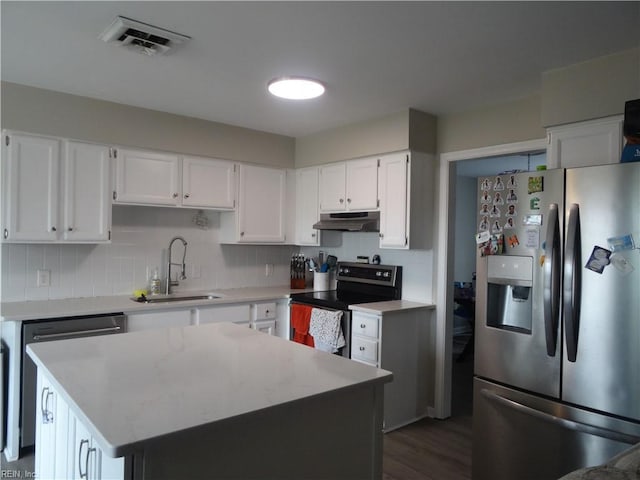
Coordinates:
[417,265]
[140,238]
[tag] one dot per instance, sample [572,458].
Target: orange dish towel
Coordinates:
[300,320]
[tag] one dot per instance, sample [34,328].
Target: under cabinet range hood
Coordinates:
[349,222]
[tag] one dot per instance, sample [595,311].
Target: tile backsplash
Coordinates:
[140,238]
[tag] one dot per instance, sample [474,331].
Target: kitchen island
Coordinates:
[208,401]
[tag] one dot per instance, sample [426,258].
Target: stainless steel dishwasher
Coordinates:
[35,331]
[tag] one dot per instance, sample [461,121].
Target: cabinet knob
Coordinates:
[381,235]
[53,229]
[242,234]
[313,235]
[186,195]
[362,349]
[175,195]
[70,229]
[6,233]
[341,200]
[362,325]
[348,200]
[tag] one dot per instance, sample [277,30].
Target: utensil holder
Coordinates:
[320,281]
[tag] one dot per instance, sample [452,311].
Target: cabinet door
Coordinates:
[393,186]
[208,183]
[87,196]
[307,206]
[45,458]
[146,177]
[333,187]
[30,184]
[162,319]
[362,184]
[261,205]
[583,144]
[224,313]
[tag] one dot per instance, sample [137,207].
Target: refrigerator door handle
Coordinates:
[552,280]
[572,282]
[561,422]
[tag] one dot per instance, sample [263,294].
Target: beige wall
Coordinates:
[409,129]
[593,89]
[52,113]
[516,121]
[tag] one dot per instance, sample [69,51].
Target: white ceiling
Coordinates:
[376,58]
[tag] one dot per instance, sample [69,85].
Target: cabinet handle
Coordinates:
[362,325]
[47,416]
[6,233]
[86,463]
[362,349]
[53,229]
[186,195]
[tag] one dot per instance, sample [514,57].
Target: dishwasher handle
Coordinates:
[93,331]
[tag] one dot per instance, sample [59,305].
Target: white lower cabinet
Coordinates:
[64,448]
[161,319]
[224,313]
[396,341]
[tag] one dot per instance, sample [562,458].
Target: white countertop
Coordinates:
[132,388]
[70,307]
[390,306]
[67,307]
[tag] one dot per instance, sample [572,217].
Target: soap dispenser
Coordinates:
[155,283]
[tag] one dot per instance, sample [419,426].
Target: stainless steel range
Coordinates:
[357,283]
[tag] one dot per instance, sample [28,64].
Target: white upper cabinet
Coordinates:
[30,177]
[405,183]
[260,216]
[393,188]
[362,184]
[87,205]
[208,183]
[307,206]
[156,178]
[49,200]
[349,186]
[144,177]
[582,144]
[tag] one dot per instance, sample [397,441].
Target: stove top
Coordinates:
[357,283]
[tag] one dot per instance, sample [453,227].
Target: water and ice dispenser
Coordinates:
[509,292]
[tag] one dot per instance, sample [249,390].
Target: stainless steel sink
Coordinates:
[175,298]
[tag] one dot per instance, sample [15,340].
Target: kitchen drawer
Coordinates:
[365,325]
[264,311]
[364,349]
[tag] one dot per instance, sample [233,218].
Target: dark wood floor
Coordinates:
[435,449]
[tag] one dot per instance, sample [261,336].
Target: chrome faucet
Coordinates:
[172,283]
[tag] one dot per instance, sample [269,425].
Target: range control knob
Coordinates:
[387,274]
[378,273]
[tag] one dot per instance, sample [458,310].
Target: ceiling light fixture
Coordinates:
[295,88]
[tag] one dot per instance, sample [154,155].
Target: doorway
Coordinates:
[449,195]
[467,173]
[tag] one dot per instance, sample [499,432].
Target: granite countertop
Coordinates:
[390,306]
[68,307]
[192,376]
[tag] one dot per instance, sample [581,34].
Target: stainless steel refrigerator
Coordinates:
[557,336]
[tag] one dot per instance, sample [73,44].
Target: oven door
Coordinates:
[345,323]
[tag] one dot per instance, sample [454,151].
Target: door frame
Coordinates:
[444,275]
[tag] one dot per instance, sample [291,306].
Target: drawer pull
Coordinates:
[362,325]
[362,349]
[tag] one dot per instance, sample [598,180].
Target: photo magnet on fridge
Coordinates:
[598,260]
[621,263]
[622,242]
[536,184]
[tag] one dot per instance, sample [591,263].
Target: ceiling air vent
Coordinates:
[141,37]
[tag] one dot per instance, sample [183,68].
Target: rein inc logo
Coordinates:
[4,473]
